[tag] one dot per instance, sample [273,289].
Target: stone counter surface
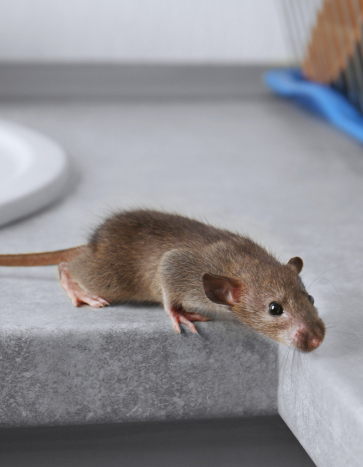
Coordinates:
[260,160]
[126,365]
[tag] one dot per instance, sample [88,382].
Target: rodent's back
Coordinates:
[159,228]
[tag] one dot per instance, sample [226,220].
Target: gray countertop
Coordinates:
[258,164]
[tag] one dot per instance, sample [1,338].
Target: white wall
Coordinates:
[142,30]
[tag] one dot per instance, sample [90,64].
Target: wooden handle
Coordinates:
[334,39]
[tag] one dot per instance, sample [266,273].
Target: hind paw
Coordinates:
[78,295]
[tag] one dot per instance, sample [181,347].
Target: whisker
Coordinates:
[290,347]
[293,362]
[337,328]
[333,285]
[283,363]
[302,369]
[326,270]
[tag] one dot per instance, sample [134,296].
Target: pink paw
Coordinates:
[178,315]
[77,295]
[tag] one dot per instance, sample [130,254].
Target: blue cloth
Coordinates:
[319,98]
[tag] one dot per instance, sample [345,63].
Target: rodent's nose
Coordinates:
[315,341]
[309,340]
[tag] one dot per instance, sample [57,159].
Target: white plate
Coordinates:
[33,171]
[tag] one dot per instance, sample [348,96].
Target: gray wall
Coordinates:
[213,31]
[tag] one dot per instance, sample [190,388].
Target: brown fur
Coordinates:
[166,258]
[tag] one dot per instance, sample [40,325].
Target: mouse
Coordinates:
[190,268]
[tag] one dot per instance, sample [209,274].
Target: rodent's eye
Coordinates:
[311,299]
[275,309]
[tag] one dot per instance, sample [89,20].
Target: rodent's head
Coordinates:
[273,301]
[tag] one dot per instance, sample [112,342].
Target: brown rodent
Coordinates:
[189,267]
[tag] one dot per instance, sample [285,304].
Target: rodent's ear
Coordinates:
[297,263]
[222,290]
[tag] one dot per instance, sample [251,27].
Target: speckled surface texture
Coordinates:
[258,159]
[132,367]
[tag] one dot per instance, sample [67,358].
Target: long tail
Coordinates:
[41,259]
